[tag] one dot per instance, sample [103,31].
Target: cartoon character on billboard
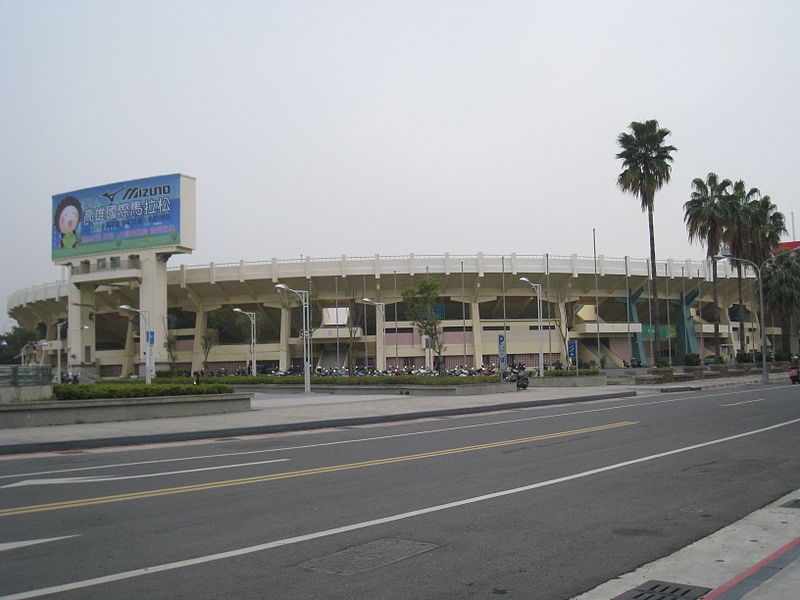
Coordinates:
[67,219]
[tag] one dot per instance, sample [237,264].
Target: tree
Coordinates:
[737,237]
[420,301]
[171,346]
[352,330]
[12,343]
[706,215]
[766,227]
[782,292]
[207,342]
[646,168]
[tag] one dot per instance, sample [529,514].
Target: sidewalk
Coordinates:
[273,413]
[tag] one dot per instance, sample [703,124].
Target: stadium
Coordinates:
[118,286]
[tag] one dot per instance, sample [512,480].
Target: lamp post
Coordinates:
[252,317]
[305,333]
[149,339]
[764,373]
[538,289]
[381,306]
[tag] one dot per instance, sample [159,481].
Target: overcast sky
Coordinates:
[329,128]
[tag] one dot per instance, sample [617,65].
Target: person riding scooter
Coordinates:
[794,369]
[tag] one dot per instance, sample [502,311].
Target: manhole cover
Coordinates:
[367,557]
[792,503]
[664,590]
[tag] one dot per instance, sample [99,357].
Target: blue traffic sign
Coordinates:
[572,348]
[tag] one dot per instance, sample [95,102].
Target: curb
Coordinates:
[182,436]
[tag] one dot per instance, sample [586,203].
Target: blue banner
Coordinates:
[117,217]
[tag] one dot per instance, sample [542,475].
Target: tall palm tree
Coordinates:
[766,227]
[706,214]
[781,292]
[737,237]
[646,168]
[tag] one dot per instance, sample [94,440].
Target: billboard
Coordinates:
[123,216]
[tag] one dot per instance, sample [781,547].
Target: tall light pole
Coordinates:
[148,342]
[764,373]
[538,289]
[252,317]
[305,333]
[381,306]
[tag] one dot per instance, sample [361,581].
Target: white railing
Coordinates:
[378,265]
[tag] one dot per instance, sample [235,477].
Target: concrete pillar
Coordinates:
[80,326]
[380,339]
[562,315]
[284,355]
[477,334]
[130,355]
[199,333]
[153,300]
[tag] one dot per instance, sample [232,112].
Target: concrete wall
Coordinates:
[38,414]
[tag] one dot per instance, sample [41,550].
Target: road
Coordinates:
[538,503]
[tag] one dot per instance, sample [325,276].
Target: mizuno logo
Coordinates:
[110,195]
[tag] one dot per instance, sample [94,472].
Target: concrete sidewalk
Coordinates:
[273,413]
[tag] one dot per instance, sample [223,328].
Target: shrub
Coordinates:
[783,356]
[570,373]
[743,357]
[691,359]
[316,380]
[718,360]
[661,364]
[133,390]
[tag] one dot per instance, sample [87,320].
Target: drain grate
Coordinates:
[367,556]
[792,503]
[664,590]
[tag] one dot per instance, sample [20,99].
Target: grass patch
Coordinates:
[571,373]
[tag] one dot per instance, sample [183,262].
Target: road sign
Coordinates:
[501,352]
[572,348]
[151,337]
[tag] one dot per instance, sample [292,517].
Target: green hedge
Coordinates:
[570,372]
[133,390]
[367,380]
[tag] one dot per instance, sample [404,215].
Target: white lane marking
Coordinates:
[98,478]
[744,402]
[21,544]
[384,437]
[76,585]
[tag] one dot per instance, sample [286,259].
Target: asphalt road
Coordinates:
[538,504]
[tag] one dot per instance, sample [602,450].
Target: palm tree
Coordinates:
[737,237]
[646,168]
[766,226]
[781,292]
[706,214]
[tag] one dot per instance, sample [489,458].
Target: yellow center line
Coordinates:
[744,402]
[22,510]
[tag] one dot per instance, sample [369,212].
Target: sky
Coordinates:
[322,128]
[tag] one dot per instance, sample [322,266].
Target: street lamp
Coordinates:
[538,289]
[764,373]
[305,333]
[149,339]
[252,317]
[381,306]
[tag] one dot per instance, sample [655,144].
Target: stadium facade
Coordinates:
[119,293]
